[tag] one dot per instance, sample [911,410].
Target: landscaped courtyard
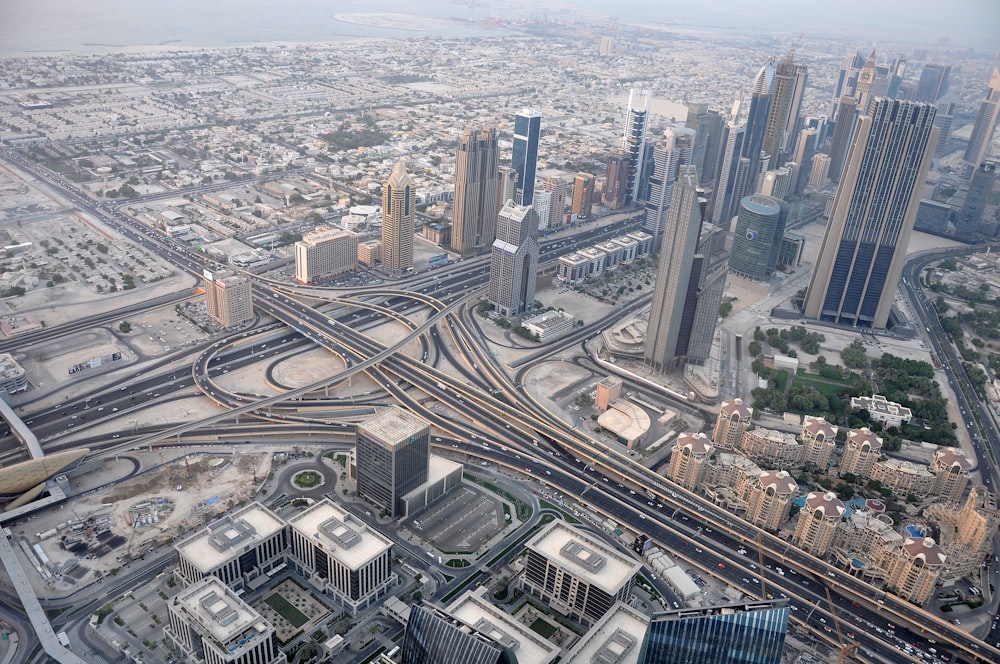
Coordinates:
[291,609]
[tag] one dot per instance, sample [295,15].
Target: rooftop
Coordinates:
[615,639]
[226,538]
[584,557]
[221,613]
[827,503]
[699,443]
[393,426]
[527,645]
[926,549]
[341,535]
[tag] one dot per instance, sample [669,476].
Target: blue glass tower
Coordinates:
[527,129]
[874,210]
[735,634]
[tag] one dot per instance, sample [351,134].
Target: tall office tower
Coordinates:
[788,87]
[514,262]
[944,120]
[820,171]
[433,636]
[933,83]
[557,207]
[986,123]
[681,227]
[748,632]
[543,207]
[208,622]
[805,148]
[757,239]
[753,142]
[843,131]
[228,298]
[616,180]
[972,218]
[894,83]
[506,186]
[708,129]
[324,253]
[668,155]
[778,182]
[727,171]
[393,454]
[476,179]
[847,80]
[858,267]
[399,208]
[864,93]
[524,158]
[583,195]
[634,140]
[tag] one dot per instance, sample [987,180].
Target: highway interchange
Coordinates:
[532,440]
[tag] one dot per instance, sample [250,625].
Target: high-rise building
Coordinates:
[843,131]
[915,569]
[817,522]
[805,148]
[859,266]
[847,80]
[750,632]
[864,91]
[433,636]
[506,186]
[819,174]
[769,499]
[476,180]
[524,158]
[208,622]
[634,140]
[761,99]
[583,195]
[861,451]
[576,573]
[933,83]
[557,207]
[732,422]
[514,261]
[688,459]
[978,520]
[616,180]
[708,126]
[682,227]
[986,123]
[668,156]
[399,209]
[729,161]
[393,454]
[325,253]
[944,120]
[972,218]
[786,102]
[543,207]
[819,440]
[760,227]
[228,297]
[778,182]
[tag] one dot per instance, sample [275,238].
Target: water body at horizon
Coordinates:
[47,27]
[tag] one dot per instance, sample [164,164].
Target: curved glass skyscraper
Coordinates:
[760,226]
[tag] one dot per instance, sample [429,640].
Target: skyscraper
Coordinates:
[476,181]
[760,226]
[393,454]
[583,194]
[634,140]
[786,99]
[933,83]
[986,123]
[864,90]
[873,213]
[972,218]
[398,219]
[843,132]
[668,155]
[750,632]
[524,159]
[506,187]
[708,128]
[761,100]
[228,298]
[847,80]
[673,275]
[557,206]
[727,171]
[514,262]
[434,637]
[805,148]
[616,180]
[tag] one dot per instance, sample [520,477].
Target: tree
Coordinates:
[854,356]
[124,327]
[725,309]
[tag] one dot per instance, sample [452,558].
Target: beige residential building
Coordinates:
[399,209]
[325,253]
[689,459]
[915,568]
[819,440]
[951,473]
[733,420]
[770,499]
[770,449]
[817,522]
[868,538]
[903,477]
[967,529]
[370,252]
[860,452]
[228,298]
[608,390]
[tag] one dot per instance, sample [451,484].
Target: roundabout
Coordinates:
[308,479]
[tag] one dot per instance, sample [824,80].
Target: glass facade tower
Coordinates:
[524,159]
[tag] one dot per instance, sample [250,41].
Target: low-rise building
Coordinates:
[325,253]
[889,413]
[550,325]
[903,477]
[12,376]
[769,448]
[614,639]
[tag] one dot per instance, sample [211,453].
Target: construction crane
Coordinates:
[760,570]
[847,651]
